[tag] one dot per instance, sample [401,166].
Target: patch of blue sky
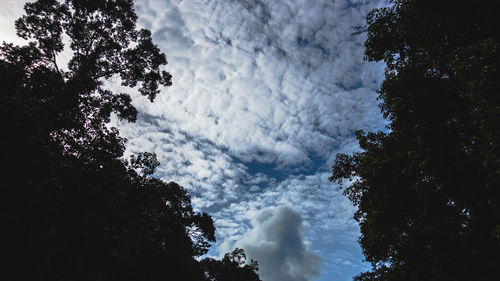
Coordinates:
[305,42]
[275,172]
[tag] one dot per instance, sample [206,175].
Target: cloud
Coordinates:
[276,241]
[265,94]
[281,85]
[11,10]
[267,79]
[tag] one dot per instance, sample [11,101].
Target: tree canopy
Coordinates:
[232,267]
[428,188]
[74,207]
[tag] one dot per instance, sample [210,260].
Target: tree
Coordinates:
[428,188]
[75,208]
[232,267]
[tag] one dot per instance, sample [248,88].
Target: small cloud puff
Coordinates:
[276,242]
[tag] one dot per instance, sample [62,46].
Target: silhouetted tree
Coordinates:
[428,189]
[74,208]
[232,267]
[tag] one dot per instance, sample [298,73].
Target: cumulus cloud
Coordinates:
[276,241]
[265,94]
[272,82]
[286,75]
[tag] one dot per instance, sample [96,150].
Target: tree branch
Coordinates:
[55,62]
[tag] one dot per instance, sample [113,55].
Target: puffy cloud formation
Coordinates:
[276,241]
[263,90]
[265,94]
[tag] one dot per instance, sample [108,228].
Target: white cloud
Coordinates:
[247,75]
[276,240]
[265,94]
[10,11]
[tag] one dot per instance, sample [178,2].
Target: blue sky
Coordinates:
[264,94]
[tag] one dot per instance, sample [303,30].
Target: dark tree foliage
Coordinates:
[232,267]
[73,207]
[428,189]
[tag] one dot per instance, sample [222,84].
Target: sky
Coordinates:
[265,93]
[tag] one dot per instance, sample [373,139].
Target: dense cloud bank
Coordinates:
[265,94]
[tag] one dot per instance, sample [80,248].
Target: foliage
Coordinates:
[75,208]
[232,267]
[428,189]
